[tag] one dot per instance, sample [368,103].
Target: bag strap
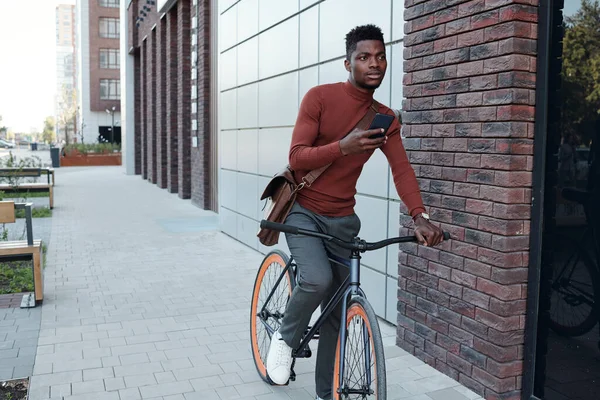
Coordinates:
[366,119]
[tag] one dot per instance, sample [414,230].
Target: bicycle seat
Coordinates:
[577,195]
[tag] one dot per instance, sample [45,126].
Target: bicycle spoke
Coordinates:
[276,305]
[355,368]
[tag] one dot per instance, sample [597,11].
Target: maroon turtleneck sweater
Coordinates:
[327,114]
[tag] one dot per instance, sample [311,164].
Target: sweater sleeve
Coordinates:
[405,179]
[303,154]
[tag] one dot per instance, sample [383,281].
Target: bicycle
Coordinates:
[575,298]
[280,269]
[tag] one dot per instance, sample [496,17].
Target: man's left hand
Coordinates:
[427,234]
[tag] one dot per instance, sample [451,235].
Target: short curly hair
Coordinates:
[362,32]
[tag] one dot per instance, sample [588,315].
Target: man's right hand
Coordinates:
[358,142]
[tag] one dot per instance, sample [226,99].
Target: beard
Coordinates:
[365,85]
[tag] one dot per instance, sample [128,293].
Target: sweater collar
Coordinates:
[357,94]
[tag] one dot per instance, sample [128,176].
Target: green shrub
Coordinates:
[85,148]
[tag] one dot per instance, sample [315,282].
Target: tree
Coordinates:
[581,70]
[67,115]
[48,132]
[3,129]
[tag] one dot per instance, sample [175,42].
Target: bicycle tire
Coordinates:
[359,306]
[259,353]
[592,318]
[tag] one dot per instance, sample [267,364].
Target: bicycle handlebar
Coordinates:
[359,245]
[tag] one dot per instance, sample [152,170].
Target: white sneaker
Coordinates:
[279,360]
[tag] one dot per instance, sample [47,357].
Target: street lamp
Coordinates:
[112,128]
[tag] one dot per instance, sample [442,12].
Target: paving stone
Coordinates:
[61,390]
[112,384]
[165,377]
[140,380]
[98,373]
[8,345]
[88,387]
[23,371]
[6,372]
[9,353]
[166,389]
[447,394]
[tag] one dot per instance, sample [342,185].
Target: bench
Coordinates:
[23,249]
[30,187]
[27,172]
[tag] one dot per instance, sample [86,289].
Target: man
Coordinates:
[327,114]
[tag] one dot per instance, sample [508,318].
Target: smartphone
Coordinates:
[381,121]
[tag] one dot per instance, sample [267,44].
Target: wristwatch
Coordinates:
[424,215]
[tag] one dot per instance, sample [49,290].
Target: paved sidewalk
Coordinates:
[145,300]
[19,329]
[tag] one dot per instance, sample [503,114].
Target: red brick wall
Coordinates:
[161,94]
[151,105]
[184,95]
[468,119]
[172,105]
[144,137]
[138,112]
[201,154]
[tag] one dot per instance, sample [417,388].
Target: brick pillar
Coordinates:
[201,154]
[138,112]
[172,101]
[144,107]
[183,93]
[470,87]
[161,121]
[151,107]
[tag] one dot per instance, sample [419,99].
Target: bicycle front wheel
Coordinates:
[269,301]
[363,374]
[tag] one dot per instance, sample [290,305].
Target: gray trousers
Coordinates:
[318,280]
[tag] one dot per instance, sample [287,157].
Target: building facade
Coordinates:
[174,141]
[477,82]
[99,78]
[65,104]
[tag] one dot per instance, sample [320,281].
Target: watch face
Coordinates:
[425,215]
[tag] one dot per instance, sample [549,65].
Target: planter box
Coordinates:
[76,159]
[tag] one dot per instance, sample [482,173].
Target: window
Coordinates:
[110,89]
[109,58]
[109,3]
[109,28]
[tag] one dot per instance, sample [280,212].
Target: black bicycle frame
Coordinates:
[349,288]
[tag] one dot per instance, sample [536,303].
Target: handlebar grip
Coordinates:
[446,236]
[274,226]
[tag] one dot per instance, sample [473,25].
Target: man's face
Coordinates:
[367,64]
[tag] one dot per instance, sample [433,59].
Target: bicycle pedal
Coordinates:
[306,353]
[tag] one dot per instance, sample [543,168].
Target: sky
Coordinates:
[571,7]
[27,62]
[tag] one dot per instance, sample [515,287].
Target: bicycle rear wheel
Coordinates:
[363,375]
[575,290]
[264,322]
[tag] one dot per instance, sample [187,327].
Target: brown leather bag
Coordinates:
[283,188]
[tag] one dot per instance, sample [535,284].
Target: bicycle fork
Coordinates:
[353,290]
